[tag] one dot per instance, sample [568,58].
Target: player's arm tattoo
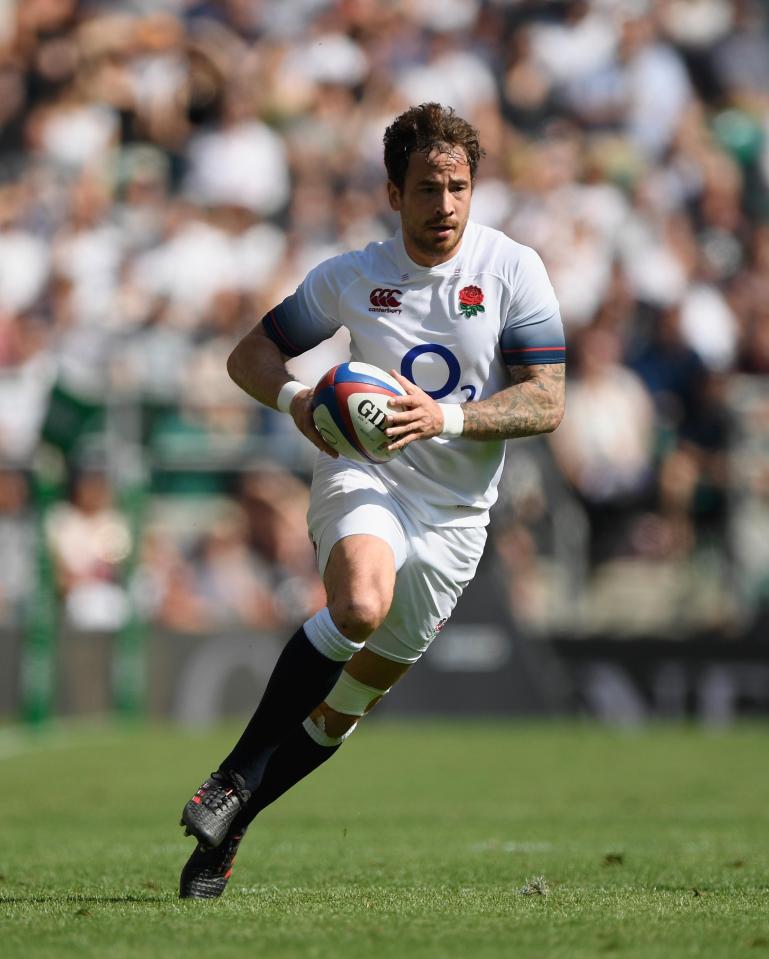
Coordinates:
[533,404]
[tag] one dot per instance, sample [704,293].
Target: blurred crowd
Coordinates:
[169,170]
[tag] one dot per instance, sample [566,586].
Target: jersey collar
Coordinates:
[409,269]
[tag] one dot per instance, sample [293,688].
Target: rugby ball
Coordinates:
[349,406]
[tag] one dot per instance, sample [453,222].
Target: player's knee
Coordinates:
[360,615]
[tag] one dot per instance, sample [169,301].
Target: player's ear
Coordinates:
[394,196]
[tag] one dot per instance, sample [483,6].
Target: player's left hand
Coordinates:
[417,416]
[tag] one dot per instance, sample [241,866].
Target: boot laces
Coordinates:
[230,783]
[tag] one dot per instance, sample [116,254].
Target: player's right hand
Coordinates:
[301,411]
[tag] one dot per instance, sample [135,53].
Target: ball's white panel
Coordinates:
[368,412]
[331,433]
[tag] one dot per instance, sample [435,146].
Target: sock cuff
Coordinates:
[326,638]
[321,737]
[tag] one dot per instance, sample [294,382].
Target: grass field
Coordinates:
[415,842]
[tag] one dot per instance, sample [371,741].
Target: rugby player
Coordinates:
[467,321]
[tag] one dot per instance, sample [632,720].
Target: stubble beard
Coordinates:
[430,246]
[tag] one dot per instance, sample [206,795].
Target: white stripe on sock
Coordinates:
[326,638]
[321,737]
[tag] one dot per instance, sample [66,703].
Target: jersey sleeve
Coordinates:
[533,331]
[306,317]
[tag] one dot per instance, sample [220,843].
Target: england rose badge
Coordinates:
[471,301]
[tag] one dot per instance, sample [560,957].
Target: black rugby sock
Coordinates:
[296,757]
[300,681]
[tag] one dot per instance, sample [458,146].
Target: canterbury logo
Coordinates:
[386,298]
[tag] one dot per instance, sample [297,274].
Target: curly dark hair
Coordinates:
[422,129]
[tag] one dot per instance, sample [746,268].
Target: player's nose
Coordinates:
[445,203]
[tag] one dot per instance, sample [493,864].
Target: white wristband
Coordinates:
[287,392]
[453,419]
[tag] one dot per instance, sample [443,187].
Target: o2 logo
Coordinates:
[454,371]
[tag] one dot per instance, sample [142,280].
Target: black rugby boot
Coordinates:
[207,871]
[212,810]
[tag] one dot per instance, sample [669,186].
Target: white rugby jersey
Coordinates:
[453,329]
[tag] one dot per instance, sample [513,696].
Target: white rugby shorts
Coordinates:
[434,564]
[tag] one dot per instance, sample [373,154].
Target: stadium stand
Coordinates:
[170,170]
